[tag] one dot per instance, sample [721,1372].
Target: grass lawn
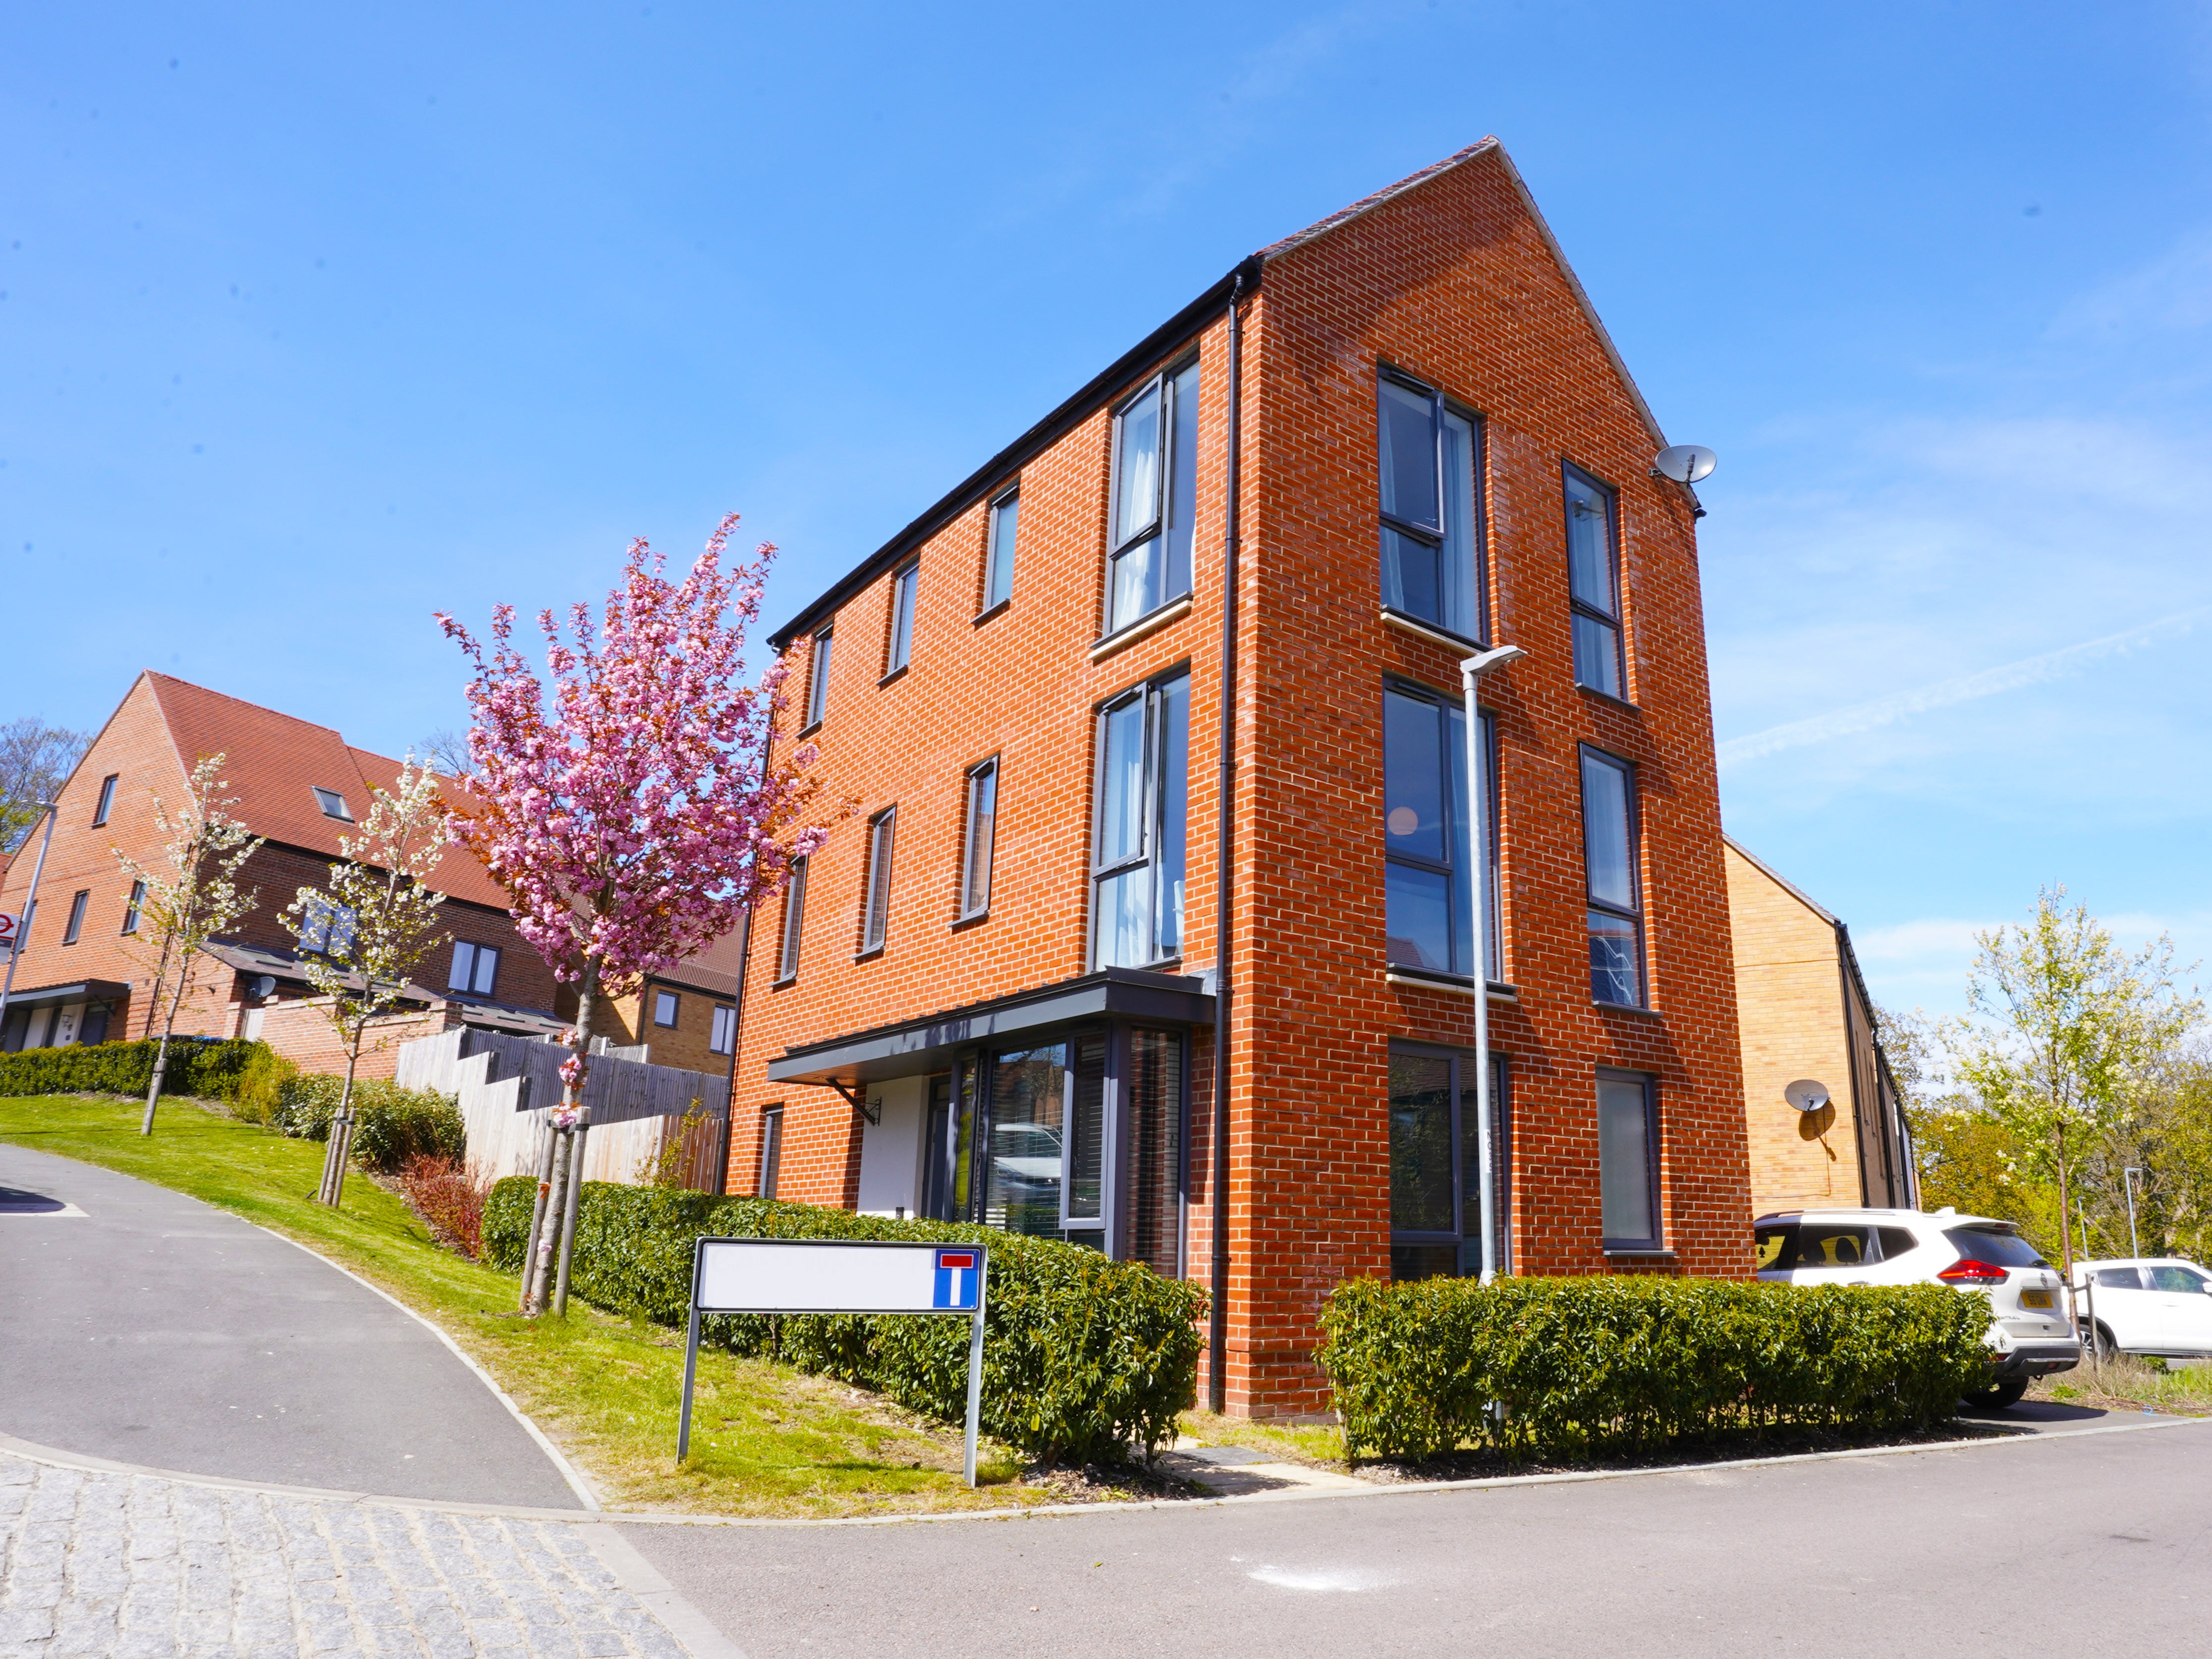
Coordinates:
[766,1440]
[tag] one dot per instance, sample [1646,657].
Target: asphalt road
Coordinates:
[2091,1542]
[157,1330]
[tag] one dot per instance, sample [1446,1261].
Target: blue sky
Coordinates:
[315,321]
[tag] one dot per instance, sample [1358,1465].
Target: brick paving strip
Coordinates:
[118,1565]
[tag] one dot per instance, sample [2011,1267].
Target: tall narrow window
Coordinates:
[1431,533]
[106,803]
[722,1030]
[875,922]
[1429,869]
[818,685]
[771,1150]
[794,918]
[1436,1196]
[1138,857]
[904,582]
[132,905]
[1155,497]
[999,568]
[1628,1162]
[74,925]
[976,840]
[1616,919]
[1593,579]
[1152,1097]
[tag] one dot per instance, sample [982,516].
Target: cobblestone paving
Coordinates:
[124,1566]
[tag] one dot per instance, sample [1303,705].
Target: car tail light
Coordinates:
[1971,1272]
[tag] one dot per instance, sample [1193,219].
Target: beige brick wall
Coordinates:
[1789,1006]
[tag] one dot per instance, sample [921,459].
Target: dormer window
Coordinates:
[333,803]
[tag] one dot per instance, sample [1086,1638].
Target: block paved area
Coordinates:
[134,1566]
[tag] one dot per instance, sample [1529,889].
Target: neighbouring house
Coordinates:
[685,1016]
[995,996]
[1805,1015]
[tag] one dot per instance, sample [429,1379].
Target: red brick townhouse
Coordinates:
[996,995]
[86,968]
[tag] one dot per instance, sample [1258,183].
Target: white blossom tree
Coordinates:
[372,926]
[189,899]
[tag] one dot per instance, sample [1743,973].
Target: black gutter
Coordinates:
[1217,1175]
[1144,355]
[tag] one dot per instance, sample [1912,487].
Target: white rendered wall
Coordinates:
[890,1152]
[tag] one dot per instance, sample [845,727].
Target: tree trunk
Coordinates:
[560,1212]
[539,1267]
[341,1146]
[537,1213]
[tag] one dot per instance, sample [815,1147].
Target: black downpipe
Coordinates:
[1217,1360]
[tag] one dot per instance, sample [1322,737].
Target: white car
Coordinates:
[2157,1304]
[2031,1333]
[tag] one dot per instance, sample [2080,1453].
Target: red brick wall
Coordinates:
[1451,281]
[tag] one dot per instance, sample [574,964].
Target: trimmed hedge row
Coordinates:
[200,1066]
[1083,1357]
[391,1124]
[1562,1367]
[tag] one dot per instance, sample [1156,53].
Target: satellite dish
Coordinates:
[1685,463]
[261,986]
[1807,1095]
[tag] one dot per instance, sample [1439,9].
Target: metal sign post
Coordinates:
[838,1275]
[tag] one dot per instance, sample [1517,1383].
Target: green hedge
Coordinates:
[1082,1357]
[200,1066]
[1564,1367]
[391,1124]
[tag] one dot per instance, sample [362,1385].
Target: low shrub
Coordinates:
[1560,1368]
[256,1095]
[1083,1357]
[391,1124]
[204,1067]
[447,1195]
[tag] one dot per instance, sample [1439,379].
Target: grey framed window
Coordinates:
[1615,908]
[1428,464]
[667,1006]
[74,925]
[795,921]
[999,559]
[876,910]
[333,803]
[132,907]
[905,581]
[722,1030]
[978,834]
[107,802]
[1436,1203]
[325,927]
[1594,581]
[1628,1162]
[817,683]
[771,1157]
[1138,851]
[474,970]
[1047,1156]
[1429,869]
[1155,497]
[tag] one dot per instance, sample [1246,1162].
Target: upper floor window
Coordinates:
[999,564]
[333,803]
[325,927]
[106,803]
[722,1030]
[132,905]
[875,915]
[1593,580]
[1138,857]
[904,582]
[1429,868]
[474,970]
[1616,910]
[1432,540]
[665,1006]
[795,920]
[976,842]
[74,925]
[1155,497]
[818,684]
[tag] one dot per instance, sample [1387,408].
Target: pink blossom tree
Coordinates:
[631,808]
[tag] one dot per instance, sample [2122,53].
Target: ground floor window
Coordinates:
[1628,1161]
[771,1150]
[1435,1198]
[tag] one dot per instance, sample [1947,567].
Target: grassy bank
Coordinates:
[766,1440]
[2124,1382]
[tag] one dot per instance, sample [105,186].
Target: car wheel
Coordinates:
[2101,1345]
[1997,1396]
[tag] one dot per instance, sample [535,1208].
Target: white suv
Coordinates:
[2145,1305]
[2030,1333]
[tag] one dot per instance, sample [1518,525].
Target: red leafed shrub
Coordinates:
[445,1193]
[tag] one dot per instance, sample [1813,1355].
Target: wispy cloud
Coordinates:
[1965,688]
[2172,292]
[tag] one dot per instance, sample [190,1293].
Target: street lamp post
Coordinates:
[2127,1180]
[1471,670]
[52,809]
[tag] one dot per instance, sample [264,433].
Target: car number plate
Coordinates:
[2035,1298]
